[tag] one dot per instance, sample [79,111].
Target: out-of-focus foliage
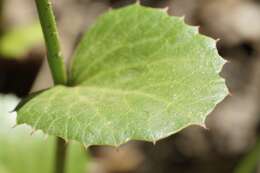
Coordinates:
[21,152]
[18,41]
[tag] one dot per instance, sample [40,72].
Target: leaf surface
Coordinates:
[137,74]
[21,152]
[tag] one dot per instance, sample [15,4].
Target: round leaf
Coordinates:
[137,74]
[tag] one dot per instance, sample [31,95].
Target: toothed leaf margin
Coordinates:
[138,74]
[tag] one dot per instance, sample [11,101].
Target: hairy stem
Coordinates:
[249,163]
[56,64]
[50,32]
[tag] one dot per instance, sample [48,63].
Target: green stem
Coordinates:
[56,64]
[61,148]
[50,32]
[249,163]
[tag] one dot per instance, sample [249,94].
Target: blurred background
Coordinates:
[232,128]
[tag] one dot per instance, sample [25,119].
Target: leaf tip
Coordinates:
[127,140]
[165,9]
[217,40]
[196,29]
[86,146]
[183,18]
[138,2]
[203,125]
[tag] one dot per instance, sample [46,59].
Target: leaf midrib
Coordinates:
[118,91]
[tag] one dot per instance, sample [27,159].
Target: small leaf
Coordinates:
[17,42]
[137,74]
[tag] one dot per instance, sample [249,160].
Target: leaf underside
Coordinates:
[137,74]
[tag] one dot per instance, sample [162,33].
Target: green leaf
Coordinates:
[17,42]
[138,74]
[21,152]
